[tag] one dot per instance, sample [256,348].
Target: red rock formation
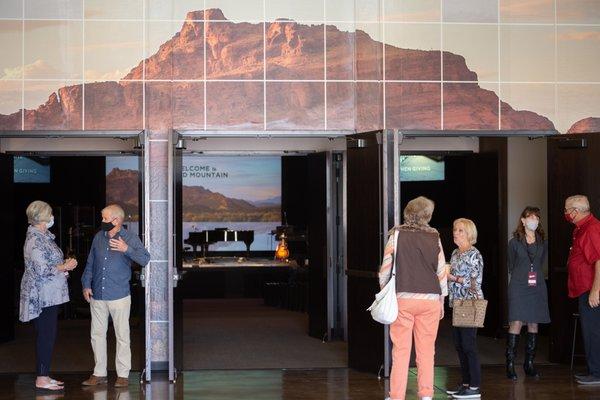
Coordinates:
[591,124]
[11,121]
[122,189]
[292,52]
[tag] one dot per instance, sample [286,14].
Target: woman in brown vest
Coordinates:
[421,287]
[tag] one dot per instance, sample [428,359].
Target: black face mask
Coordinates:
[106,226]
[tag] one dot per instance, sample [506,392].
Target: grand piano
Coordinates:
[204,239]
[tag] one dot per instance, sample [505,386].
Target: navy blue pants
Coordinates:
[465,342]
[590,330]
[45,330]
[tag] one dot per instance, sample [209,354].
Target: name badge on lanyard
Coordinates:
[532,278]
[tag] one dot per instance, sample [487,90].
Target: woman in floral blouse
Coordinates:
[43,288]
[464,282]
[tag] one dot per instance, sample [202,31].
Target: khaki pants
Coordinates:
[119,311]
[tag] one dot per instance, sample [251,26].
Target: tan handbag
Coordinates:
[469,313]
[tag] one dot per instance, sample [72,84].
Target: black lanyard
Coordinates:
[531,259]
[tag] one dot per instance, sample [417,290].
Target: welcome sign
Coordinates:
[233,192]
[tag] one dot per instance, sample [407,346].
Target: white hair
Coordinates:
[38,211]
[578,202]
[115,211]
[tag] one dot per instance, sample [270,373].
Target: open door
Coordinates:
[7,293]
[573,168]
[318,228]
[177,148]
[370,214]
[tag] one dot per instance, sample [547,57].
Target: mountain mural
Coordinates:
[201,204]
[292,52]
[585,125]
[273,201]
[122,189]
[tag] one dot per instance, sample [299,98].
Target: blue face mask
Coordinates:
[50,223]
[532,225]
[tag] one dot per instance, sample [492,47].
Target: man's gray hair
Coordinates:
[115,210]
[419,211]
[38,211]
[578,202]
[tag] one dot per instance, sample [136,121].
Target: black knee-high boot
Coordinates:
[512,342]
[530,355]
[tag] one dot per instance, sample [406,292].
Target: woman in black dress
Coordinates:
[527,293]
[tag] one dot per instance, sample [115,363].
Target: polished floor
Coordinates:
[246,334]
[228,334]
[317,384]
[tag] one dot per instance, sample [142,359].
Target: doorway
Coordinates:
[78,183]
[499,173]
[239,306]
[462,185]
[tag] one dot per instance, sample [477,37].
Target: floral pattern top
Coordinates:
[43,285]
[469,267]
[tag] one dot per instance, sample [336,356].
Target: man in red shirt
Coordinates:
[584,280]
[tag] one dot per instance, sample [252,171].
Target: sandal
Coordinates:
[49,387]
[57,383]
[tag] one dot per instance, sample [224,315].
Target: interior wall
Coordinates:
[527,180]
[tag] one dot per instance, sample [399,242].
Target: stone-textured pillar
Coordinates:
[158,97]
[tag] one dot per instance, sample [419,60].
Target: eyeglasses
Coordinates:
[570,208]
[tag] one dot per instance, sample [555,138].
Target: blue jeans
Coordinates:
[590,330]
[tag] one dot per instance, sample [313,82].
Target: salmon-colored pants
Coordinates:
[421,318]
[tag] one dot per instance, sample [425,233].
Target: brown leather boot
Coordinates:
[121,382]
[94,380]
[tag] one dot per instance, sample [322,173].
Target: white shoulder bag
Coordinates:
[385,307]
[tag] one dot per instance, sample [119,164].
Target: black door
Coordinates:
[317,235]
[178,256]
[482,206]
[7,283]
[369,200]
[573,168]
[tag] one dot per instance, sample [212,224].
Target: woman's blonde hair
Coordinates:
[469,227]
[38,211]
[419,211]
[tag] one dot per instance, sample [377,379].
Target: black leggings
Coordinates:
[465,341]
[45,329]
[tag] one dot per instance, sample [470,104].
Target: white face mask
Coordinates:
[532,224]
[50,223]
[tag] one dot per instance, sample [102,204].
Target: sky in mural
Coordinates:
[536,55]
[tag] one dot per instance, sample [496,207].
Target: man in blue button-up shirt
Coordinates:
[105,283]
